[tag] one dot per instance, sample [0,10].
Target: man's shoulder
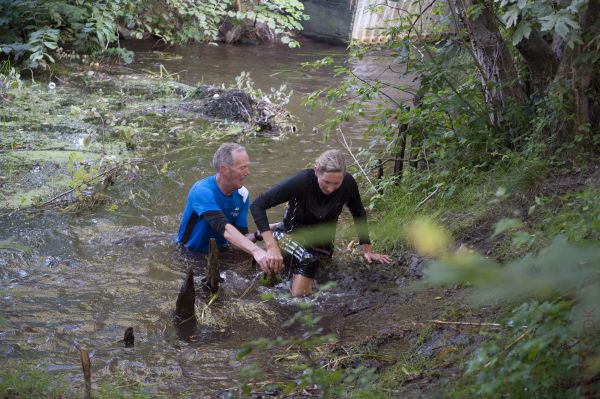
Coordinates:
[204,184]
[203,187]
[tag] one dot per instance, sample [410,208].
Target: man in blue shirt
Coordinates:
[217,207]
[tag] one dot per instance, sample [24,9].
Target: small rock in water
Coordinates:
[128,338]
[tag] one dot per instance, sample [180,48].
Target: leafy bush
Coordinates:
[32,31]
[537,356]
[545,349]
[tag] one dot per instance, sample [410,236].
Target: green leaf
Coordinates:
[511,16]
[266,296]
[522,32]
[242,353]
[506,224]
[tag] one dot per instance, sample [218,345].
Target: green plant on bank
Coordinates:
[34,32]
[308,371]
[10,79]
[547,348]
[29,383]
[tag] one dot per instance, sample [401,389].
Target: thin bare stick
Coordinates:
[349,149]
[427,198]
[465,323]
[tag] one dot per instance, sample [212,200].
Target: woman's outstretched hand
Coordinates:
[372,256]
[381,258]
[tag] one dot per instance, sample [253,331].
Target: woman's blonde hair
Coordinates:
[331,161]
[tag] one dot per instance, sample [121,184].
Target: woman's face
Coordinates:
[329,181]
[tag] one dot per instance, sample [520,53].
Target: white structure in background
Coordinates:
[372,18]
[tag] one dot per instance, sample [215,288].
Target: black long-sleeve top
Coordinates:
[309,206]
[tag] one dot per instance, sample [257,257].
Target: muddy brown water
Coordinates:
[92,275]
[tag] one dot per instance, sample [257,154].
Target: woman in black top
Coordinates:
[315,198]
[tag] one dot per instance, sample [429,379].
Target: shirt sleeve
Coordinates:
[202,200]
[216,220]
[357,210]
[281,192]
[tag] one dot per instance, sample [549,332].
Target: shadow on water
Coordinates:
[90,276]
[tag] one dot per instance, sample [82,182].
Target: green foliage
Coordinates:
[578,216]
[10,79]
[537,356]
[33,31]
[549,17]
[280,96]
[180,21]
[447,130]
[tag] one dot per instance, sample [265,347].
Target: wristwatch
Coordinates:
[258,236]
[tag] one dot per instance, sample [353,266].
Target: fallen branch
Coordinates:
[87,182]
[465,323]
[427,198]
[79,185]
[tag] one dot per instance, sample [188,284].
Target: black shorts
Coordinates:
[301,260]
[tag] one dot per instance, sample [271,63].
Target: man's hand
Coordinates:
[275,258]
[273,251]
[261,257]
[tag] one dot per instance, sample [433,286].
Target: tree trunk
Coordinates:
[496,65]
[541,61]
[586,84]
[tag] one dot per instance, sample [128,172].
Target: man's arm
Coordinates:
[240,241]
[218,222]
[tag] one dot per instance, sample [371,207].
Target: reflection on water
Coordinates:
[92,275]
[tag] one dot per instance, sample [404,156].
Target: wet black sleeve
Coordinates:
[282,192]
[216,220]
[358,212]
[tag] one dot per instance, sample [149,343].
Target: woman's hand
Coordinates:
[372,256]
[381,258]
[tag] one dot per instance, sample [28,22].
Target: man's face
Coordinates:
[236,173]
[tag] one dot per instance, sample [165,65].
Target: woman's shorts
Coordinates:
[301,260]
